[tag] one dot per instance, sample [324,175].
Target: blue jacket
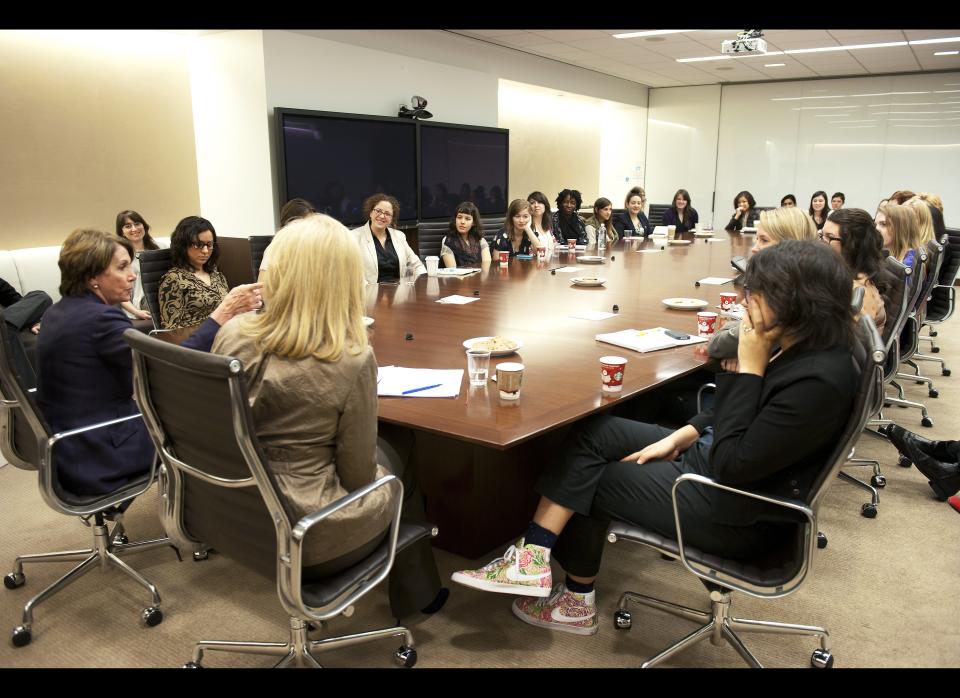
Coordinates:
[85,376]
[624,225]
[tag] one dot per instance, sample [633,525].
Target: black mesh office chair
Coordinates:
[770,576]
[656,213]
[258,245]
[29,443]
[429,236]
[923,317]
[943,300]
[153,265]
[218,492]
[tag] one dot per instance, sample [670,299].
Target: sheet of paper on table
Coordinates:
[715,280]
[457,300]
[659,249]
[646,340]
[715,240]
[396,380]
[567,270]
[591,315]
[660,231]
[456,271]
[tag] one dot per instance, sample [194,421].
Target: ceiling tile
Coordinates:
[489,33]
[866,36]
[570,34]
[914,34]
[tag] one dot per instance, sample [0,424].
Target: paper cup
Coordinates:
[727,300]
[541,253]
[611,373]
[571,244]
[706,323]
[433,263]
[509,378]
[671,232]
[504,257]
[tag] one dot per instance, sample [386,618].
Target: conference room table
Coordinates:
[477,456]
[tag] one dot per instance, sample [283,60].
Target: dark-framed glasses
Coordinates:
[380,213]
[198,245]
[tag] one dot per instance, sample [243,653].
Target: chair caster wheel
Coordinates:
[200,556]
[821,659]
[14,580]
[869,511]
[945,372]
[935,350]
[878,481]
[904,462]
[122,539]
[821,540]
[933,392]
[405,656]
[192,665]
[927,422]
[21,637]
[622,620]
[152,616]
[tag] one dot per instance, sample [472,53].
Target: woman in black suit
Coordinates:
[633,221]
[681,213]
[776,422]
[743,213]
[86,368]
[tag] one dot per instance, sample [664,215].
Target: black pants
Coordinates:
[589,478]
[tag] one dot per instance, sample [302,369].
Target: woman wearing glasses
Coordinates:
[132,226]
[193,287]
[386,254]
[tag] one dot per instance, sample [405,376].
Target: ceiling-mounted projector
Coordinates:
[747,41]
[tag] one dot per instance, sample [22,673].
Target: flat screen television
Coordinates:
[462,163]
[335,161]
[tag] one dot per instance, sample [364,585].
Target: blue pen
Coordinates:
[417,390]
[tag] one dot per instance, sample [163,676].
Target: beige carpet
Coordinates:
[887,590]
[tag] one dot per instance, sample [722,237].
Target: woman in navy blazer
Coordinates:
[681,213]
[633,221]
[85,368]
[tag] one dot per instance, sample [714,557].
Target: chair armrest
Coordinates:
[701,391]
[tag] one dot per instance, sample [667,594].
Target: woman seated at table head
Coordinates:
[818,209]
[633,221]
[192,287]
[681,213]
[464,244]
[900,230]
[541,219]
[773,428]
[788,201]
[385,252]
[85,367]
[516,236]
[601,223]
[851,233]
[567,223]
[133,227]
[743,213]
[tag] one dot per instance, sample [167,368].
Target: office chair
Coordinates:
[924,321]
[258,245]
[29,443]
[943,300]
[773,575]
[153,265]
[219,492]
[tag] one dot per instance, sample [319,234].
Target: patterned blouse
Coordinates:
[186,301]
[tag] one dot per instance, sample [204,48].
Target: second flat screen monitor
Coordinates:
[462,164]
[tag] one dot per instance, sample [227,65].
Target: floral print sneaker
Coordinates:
[523,569]
[566,611]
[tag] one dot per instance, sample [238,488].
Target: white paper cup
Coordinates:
[433,263]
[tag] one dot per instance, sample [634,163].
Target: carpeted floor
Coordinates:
[885,588]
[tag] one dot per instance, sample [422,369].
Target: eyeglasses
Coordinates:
[380,213]
[203,245]
[827,238]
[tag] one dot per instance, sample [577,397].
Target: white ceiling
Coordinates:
[652,61]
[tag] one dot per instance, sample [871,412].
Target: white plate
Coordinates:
[503,352]
[685,303]
[594,281]
[703,233]
[679,242]
[590,259]
[632,237]
[367,321]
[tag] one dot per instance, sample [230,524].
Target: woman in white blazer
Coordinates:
[386,254]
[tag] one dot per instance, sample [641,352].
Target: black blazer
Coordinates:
[745,218]
[689,222]
[773,434]
[85,376]
[624,225]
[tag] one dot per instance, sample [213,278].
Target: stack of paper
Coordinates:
[646,340]
[457,300]
[418,382]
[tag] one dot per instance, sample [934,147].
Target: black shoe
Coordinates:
[904,440]
[943,478]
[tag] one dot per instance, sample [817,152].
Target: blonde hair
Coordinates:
[925,232]
[314,293]
[933,199]
[788,223]
[904,228]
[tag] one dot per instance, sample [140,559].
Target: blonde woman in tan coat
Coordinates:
[312,379]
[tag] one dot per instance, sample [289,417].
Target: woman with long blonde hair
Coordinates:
[925,230]
[312,380]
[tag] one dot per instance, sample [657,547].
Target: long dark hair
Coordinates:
[826,204]
[673,203]
[861,244]
[808,287]
[148,242]
[547,220]
[474,235]
[185,234]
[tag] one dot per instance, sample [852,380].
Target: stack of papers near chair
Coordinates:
[396,381]
[646,340]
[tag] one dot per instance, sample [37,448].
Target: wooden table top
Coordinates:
[525,302]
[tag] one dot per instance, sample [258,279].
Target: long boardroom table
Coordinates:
[477,456]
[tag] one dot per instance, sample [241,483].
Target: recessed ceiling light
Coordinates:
[652,32]
[773,65]
[946,53]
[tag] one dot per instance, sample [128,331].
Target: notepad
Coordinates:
[457,300]
[715,280]
[646,340]
[567,270]
[397,381]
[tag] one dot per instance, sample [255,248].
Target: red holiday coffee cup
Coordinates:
[571,244]
[611,373]
[706,323]
[504,257]
[727,300]
[541,252]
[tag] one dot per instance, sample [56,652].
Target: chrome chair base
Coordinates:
[719,627]
[107,549]
[298,650]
